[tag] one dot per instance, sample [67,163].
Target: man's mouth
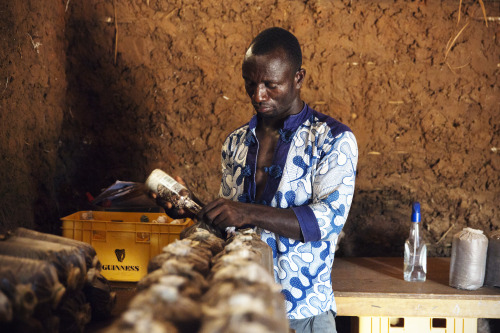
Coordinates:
[262,108]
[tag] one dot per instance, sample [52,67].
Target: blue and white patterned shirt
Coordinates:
[313,173]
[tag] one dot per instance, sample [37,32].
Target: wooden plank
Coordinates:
[394,307]
[384,277]
[375,287]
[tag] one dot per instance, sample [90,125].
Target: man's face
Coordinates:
[272,84]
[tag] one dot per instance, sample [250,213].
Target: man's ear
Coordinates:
[299,77]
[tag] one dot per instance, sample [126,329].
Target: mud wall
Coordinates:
[32,106]
[117,89]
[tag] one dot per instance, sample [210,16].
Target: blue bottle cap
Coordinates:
[415,212]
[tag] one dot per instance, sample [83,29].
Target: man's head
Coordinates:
[273,74]
[275,38]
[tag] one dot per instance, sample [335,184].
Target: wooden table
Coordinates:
[374,287]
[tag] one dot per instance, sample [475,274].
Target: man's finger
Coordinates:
[180,180]
[211,206]
[220,221]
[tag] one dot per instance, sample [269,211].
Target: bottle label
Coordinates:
[170,190]
[158,177]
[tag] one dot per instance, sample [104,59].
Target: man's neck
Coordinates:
[269,124]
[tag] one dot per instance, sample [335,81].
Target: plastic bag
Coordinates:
[184,286]
[207,240]
[243,294]
[6,312]
[468,259]
[168,305]
[102,300]
[40,274]
[68,261]
[245,244]
[128,195]
[192,285]
[245,310]
[86,249]
[492,277]
[203,225]
[21,295]
[74,313]
[185,250]
[140,321]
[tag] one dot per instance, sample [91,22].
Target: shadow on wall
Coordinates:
[377,225]
[99,141]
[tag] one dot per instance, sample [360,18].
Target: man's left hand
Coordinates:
[224,213]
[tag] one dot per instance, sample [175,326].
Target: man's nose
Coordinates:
[260,93]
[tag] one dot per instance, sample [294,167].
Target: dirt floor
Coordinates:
[97,91]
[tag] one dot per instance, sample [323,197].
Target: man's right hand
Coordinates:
[168,206]
[170,210]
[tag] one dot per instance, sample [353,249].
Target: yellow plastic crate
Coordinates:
[417,325]
[123,243]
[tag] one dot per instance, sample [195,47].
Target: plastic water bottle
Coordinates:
[415,260]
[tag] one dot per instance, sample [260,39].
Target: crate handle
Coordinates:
[142,237]
[99,235]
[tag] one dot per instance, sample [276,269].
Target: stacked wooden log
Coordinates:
[50,283]
[203,283]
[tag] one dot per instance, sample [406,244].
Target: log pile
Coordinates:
[50,283]
[205,284]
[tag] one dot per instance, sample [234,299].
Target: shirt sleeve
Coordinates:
[232,158]
[332,190]
[226,179]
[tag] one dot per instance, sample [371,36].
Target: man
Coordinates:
[289,172]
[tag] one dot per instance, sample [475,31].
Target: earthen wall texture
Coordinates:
[97,91]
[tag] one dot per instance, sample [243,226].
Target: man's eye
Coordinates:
[272,85]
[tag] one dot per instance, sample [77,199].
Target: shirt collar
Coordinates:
[291,122]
